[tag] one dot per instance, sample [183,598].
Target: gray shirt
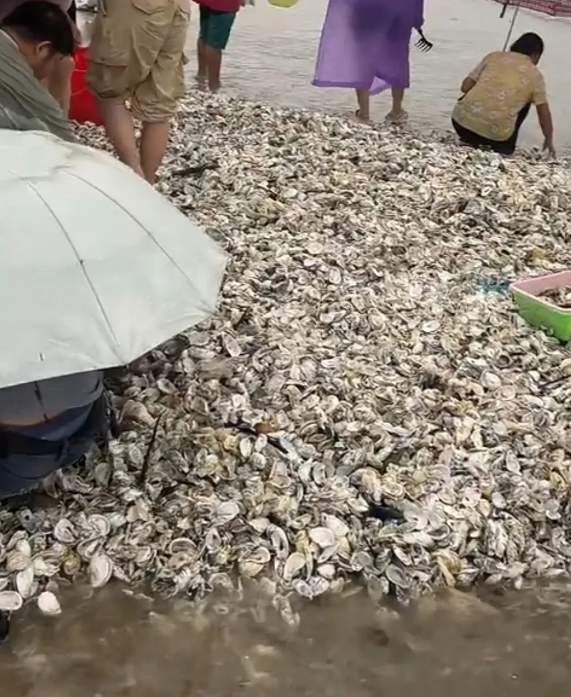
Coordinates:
[40,401]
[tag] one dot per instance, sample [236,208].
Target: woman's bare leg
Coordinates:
[397,113]
[364,101]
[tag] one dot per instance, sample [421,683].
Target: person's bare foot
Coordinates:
[201,81]
[363,118]
[396,117]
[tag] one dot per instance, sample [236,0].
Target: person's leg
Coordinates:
[477,141]
[153,146]
[202,73]
[214,63]
[364,102]
[216,39]
[510,145]
[466,136]
[397,113]
[469,137]
[155,100]
[120,130]
[111,81]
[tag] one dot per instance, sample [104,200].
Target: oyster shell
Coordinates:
[10,601]
[100,570]
[25,582]
[64,531]
[48,604]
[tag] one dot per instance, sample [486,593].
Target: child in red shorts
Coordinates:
[216,20]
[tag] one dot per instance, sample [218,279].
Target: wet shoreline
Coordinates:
[116,645]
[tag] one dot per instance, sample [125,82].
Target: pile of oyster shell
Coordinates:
[366,405]
[558,296]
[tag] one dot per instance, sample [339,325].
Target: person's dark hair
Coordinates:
[38,20]
[529,44]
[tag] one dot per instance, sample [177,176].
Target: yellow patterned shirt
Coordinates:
[505,84]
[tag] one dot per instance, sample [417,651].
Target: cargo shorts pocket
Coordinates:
[149,7]
[184,7]
[110,43]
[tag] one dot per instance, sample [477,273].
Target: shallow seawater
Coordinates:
[115,645]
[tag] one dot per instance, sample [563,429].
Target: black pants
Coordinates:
[504,147]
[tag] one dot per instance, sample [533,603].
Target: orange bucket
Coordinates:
[83,106]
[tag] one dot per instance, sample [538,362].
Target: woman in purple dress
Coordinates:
[365,45]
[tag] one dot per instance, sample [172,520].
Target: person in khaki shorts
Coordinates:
[136,55]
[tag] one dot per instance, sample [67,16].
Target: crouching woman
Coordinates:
[498,95]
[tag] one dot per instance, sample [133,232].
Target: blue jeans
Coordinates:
[20,472]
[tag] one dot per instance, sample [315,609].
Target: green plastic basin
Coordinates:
[539,312]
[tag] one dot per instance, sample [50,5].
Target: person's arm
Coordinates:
[467,84]
[470,81]
[539,98]
[546,124]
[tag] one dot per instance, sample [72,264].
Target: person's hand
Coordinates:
[549,148]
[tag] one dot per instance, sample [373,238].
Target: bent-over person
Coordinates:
[498,95]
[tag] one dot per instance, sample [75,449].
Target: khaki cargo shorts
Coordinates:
[136,54]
